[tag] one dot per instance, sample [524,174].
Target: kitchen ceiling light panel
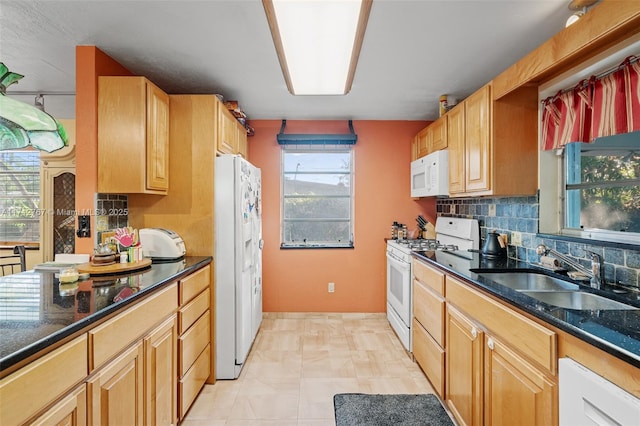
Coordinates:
[318,42]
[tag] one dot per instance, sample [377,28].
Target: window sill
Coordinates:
[590,241]
[315,246]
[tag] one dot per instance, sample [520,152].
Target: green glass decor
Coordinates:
[22,124]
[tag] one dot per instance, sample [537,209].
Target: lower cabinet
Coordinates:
[464,368]
[139,386]
[515,392]
[488,380]
[160,399]
[116,390]
[194,338]
[144,366]
[69,411]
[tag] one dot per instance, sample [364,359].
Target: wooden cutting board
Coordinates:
[114,269]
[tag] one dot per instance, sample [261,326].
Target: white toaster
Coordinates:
[161,244]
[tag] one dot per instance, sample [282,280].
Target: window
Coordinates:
[317,196]
[19,196]
[602,191]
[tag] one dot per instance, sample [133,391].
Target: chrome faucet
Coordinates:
[595,274]
[597,270]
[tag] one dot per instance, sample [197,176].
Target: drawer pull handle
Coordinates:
[490,344]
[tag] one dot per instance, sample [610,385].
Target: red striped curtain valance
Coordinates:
[599,106]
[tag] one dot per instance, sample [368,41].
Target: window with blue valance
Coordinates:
[316,139]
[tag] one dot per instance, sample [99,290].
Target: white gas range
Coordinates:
[454,238]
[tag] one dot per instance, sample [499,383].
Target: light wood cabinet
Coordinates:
[428,330]
[161,387]
[227,131]
[477,136]
[493,144]
[456,146]
[509,382]
[133,136]
[27,391]
[464,368]
[497,359]
[195,337]
[243,146]
[422,143]
[116,391]
[437,136]
[111,337]
[431,138]
[69,411]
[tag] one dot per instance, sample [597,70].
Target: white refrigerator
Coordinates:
[237,261]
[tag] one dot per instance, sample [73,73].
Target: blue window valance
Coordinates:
[317,139]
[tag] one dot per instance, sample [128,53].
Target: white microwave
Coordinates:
[430,175]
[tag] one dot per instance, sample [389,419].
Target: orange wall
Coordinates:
[296,280]
[91,62]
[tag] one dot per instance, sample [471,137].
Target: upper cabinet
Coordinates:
[133,136]
[493,144]
[232,136]
[431,138]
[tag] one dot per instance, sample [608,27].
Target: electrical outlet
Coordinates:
[516,238]
[492,210]
[331,287]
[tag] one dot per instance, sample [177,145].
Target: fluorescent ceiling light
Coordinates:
[318,42]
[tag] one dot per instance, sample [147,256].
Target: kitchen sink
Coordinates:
[529,281]
[577,300]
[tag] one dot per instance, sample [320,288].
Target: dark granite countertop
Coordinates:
[615,331]
[36,310]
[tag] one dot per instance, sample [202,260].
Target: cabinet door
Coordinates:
[116,391]
[161,386]
[464,368]
[70,411]
[478,141]
[157,138]
[422,143]
[455,140]
[515,392]
[228,132]
[243,149]
[438,134]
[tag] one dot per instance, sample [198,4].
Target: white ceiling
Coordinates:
[413,51]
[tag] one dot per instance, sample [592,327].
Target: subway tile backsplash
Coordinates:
[622,265]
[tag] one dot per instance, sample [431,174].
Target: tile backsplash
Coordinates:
[112,211]
[521,214]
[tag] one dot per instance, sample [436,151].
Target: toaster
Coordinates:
[161,244]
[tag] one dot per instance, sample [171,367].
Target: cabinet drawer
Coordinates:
[192,311]
[31,388]
[430,356]
[194,284]
[110,338]
[429,276]
[193,381]
[529,338]
[191,343]
[429,310]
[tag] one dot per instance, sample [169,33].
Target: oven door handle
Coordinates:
[399,262]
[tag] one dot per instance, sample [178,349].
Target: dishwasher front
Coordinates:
[589,399]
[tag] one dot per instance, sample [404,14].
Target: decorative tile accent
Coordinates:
[522,214]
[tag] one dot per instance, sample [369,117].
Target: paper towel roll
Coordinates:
[549,261]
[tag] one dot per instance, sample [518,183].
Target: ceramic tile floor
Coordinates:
[299,361]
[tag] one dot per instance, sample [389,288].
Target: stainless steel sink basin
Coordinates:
[529,281]
[577,300]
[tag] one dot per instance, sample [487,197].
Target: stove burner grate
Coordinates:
[427,245]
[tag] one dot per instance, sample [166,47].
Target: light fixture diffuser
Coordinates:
[318,42]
